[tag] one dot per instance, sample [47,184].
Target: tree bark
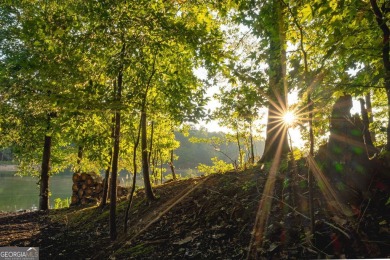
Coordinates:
[239,148]
[161,167]
[79,158]
[277,93]
[370,148]
[310,177]
[252,159]
[145,164]
[151,142]
[172,166]
[105,183]
[380,18]
[44,181]
[370,116]
[108,169]
[115,155]
[136,143]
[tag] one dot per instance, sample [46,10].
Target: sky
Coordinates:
[294,133]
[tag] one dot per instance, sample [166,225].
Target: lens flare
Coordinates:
[289,118]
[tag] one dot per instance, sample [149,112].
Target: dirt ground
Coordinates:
[204,218]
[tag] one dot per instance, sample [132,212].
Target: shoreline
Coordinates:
[8,168]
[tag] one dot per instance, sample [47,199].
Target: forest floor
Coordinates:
[205,218]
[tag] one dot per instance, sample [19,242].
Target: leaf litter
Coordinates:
[203,218]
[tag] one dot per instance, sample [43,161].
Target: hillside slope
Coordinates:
[202,218]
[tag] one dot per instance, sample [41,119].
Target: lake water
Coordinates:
[18,193]
[22,193]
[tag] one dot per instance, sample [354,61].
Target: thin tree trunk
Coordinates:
[106,181]
[172,166]
[115,155]
[107,173]
[161,167]
[44,181]
[370,115]
[150,158]
[252,161]
[136,143]
[151,141]
[239,147]
[388,112]
[310,172]
[145,164]
[114,176]
[154,163]
[79,158]
[366,131]
[380,18]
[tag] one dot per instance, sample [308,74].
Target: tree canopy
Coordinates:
[108,85]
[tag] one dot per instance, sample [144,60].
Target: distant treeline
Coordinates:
[190,153]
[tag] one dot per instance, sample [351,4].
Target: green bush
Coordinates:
[61,203]
[219,166]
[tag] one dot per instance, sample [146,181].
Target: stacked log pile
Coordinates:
[88,188]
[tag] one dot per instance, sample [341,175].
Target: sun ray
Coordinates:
[279,129]
[327,190]
[265,203]
[349,141]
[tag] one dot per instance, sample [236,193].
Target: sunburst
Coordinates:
[289,118]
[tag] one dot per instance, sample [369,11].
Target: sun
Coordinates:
[289,118]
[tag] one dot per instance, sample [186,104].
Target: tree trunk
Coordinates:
[380,18]
[277,93]
[108,169]
[150,157]
[370,116]
[136,143]
[105,183]
[145,163]
[154,164]
[44,181]
[388,112]
[151,143]
[252,159]
[161,167]
[172,166]
[239,148]
[115,158]
[311,154]
[79,158]
[114,175]
[366,131]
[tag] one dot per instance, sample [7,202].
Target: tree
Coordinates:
[34,81]
[277,92]
[238,110]
[381,15]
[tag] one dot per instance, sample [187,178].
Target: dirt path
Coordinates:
[19,229]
